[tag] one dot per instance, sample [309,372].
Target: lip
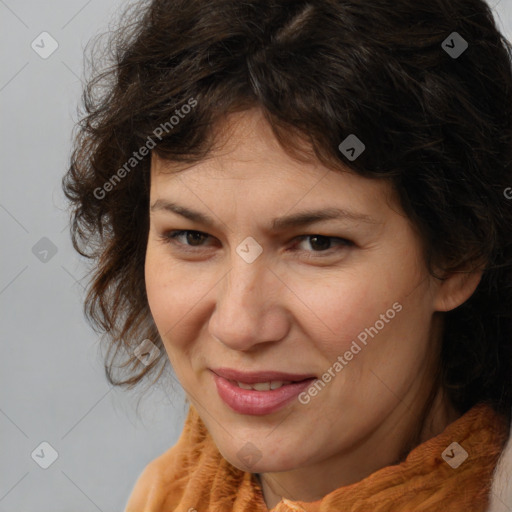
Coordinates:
[258,403]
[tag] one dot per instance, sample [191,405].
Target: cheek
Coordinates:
[381,311]
[171,296]
[338,311]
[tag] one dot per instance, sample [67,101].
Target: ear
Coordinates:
[456,288]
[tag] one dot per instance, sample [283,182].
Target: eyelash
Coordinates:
[170,237]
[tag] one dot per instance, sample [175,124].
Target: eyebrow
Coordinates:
[299,219]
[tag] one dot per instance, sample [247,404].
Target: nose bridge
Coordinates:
[242,292]
[243,314]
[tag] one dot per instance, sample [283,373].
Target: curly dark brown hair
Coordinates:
[437,125]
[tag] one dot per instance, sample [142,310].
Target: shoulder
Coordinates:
[501,495]
[154,484]
[161,484]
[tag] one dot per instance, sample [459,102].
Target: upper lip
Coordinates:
[263,376]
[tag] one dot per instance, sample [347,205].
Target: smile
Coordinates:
[258,398]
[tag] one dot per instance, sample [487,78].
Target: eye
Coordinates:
[186,237]
[322,243]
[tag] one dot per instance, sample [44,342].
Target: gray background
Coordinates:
[52,382]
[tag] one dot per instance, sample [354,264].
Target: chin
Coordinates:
[262,467]
[259,462]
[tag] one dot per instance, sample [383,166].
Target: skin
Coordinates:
[296,308]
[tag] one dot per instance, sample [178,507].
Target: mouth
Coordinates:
[259,393]
[262,386]
[259,377]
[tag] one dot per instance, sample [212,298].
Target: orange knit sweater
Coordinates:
[192,476]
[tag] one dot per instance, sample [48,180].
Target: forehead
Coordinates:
[247,160]
[241,137]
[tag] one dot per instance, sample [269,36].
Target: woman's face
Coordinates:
[353,307]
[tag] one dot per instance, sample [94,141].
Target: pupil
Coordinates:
[194,236]
[321,246]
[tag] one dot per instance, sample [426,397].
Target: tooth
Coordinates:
[261,386]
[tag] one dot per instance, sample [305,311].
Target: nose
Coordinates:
[249,308]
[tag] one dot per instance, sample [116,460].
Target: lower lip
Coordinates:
[249,401]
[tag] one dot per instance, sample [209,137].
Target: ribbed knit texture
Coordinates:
[193,476]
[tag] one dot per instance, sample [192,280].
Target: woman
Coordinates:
[304,204]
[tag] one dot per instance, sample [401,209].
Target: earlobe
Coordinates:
[456,288]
